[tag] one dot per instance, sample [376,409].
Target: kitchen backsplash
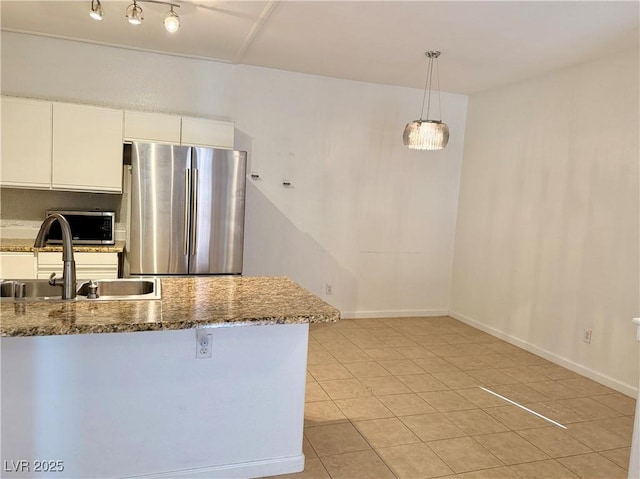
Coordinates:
[22,211]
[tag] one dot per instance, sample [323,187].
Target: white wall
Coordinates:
[366,214]
[547,234]
[371,217]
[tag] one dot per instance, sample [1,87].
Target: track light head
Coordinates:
[134,14]
[172,21]
[96,10]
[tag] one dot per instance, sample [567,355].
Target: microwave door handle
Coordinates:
[194,210]
[185,233]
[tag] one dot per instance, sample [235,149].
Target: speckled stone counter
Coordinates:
[187,302]
[24,245]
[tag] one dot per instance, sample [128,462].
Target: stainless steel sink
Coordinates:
[29,288]
[106,289]
[136,288]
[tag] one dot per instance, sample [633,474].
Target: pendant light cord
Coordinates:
[430,82]
[426,86]
[439,98]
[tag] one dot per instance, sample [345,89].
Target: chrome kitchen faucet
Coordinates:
[69,264]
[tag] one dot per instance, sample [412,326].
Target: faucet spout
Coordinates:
[69,264]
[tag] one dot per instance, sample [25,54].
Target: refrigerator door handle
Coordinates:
[187,187]
[194,210]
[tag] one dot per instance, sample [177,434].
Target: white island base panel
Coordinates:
[141,404]
[634,459]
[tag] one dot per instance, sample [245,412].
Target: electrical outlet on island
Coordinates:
[203,345]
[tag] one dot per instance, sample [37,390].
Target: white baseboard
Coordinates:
[267,467]
[402,313]
[627,389]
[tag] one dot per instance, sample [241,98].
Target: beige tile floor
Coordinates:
[401,398]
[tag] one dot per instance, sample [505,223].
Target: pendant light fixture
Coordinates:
[134,13]
[427,134]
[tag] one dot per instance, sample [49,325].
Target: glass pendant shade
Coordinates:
[426,135]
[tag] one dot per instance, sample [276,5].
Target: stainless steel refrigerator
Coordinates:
[187,210]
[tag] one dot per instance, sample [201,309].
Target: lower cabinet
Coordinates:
[17,265]
[88,265]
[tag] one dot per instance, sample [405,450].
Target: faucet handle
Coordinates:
[52,279]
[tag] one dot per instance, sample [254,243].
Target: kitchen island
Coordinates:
[114,388]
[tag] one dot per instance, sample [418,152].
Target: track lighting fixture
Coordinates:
[134,13]
[96,10]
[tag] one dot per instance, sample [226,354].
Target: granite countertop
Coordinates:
[24,245]
[187,302]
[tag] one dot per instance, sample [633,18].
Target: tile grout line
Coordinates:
[531,411]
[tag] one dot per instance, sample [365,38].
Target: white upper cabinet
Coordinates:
[203,132]
[165,128]
[156,127]
[66,146]
[87,148]
[26,143]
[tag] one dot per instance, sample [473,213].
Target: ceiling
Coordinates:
[485,44]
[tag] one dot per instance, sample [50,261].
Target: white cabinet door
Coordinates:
[203,132]
[156,127]
[17,265]
[26,143]
[87,148]
[88,265]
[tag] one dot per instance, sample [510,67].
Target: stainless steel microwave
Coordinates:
[87,227]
